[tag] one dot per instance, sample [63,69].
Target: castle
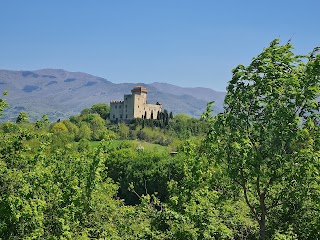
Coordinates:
[134,106]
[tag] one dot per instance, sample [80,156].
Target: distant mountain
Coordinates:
[201,93]
[61,94]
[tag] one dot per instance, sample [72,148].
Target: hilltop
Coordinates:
[61,94]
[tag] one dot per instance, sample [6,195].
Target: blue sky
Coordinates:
[182,42]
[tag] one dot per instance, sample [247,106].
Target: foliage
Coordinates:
[250,172]
[59,193]
[102,109]
[3,103]
[44,121]
[22,117]
[59,128]
[147,171]
[268,133]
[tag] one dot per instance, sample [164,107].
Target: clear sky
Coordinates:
[190,43]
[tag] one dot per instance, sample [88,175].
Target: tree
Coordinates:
[59,128]
[43,121]
[165,117]
[72,128]
[267,134]
[171,115]
[84,132]
[3,103]
[22,117]
[102,109]
[123,130]
[96,124]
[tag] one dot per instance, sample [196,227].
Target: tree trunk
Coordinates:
[262,230]
[262,222]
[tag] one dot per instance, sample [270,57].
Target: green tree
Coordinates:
[45,119]
[56,192]
[59,128]
[123,130]
[204,196]
[10,127]
[22,117]
[102,109]
[268,133]
[42,122]
[3,103]
[96,124]
[171,115]
[84,132]
[72,128]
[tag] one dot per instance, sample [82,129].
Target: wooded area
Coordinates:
[251,172]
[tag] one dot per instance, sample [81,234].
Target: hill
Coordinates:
[61,94]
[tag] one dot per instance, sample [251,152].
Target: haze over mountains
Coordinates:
[61,94]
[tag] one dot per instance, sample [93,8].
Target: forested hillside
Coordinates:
[251,172]
[60,94]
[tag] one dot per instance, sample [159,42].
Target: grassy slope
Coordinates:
[135,143]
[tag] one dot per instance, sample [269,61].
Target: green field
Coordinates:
[134,144]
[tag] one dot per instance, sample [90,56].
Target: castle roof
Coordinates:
[139,89]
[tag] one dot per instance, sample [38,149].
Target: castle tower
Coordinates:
[134,106]
[139,94]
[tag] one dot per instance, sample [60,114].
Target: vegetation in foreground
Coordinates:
[251,172]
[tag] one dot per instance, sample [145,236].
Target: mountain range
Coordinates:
[61,94]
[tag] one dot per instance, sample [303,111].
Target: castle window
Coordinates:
[115,106]
[120,116]
[126,106]
[114,116]
[120,106]
[126,115]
